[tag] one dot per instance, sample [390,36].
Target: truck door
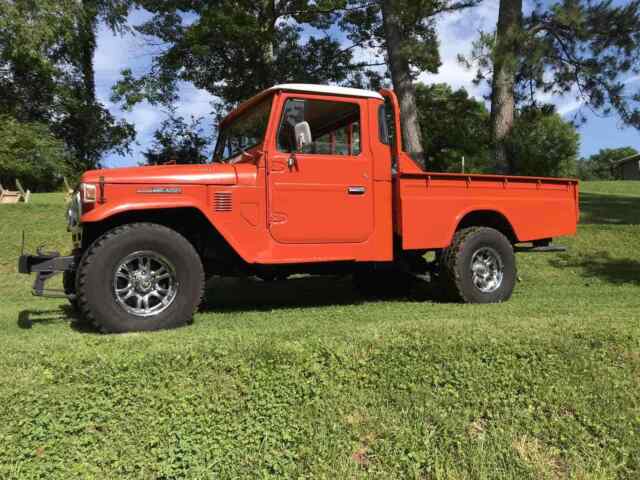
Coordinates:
[321,192]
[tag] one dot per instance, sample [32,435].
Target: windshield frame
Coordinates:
[232,120]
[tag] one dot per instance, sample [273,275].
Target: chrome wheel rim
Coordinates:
[145,284]
[487,270]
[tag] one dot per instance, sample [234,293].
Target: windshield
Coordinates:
[244,132]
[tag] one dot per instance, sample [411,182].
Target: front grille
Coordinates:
[222,202]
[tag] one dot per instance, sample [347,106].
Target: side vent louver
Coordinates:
[222,201]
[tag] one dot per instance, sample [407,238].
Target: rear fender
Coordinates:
[485,216]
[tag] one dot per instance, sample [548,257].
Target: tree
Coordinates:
[454,125]
[177,141]
[31,154]
[600,166]
[46,77]
[399,59]
[403,31]
[508,36]
[571,47]
[33,37]
[543,144]
[91,127]
[234,49]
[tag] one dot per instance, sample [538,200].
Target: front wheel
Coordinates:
[478,267]
[140,277]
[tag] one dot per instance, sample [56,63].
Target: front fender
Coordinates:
[121,200]
[104,212]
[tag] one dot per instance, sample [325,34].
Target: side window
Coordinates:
[335,127]
[389,121]
[387,128]
[383,129]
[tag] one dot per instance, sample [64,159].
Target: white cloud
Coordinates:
[569,105]
[194,101]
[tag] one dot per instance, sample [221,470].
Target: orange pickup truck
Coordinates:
[304,179]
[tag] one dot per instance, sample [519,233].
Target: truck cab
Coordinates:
[303,179]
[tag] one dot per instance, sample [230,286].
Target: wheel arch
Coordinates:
[189,221]
[488,218]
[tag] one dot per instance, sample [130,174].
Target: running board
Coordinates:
[540,249]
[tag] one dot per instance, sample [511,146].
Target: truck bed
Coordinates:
[430,206]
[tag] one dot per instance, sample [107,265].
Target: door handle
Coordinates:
[292,161]
[356,190]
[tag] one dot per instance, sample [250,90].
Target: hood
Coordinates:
[209,174]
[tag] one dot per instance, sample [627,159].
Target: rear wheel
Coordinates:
[478,267]
[140,277]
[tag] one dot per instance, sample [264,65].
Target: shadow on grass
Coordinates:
[253,295]
[244,295]
[601,265]
[65,314]
[597,208]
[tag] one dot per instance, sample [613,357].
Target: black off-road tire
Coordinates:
[455,275]
[96,271]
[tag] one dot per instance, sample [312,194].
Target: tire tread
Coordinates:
[89,256]
[449,263]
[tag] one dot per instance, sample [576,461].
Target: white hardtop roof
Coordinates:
[312,88]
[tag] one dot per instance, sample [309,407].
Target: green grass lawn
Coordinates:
[305,379]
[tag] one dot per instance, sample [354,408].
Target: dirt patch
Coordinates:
[477,428]
[356,418]
[362,456]
[545,462]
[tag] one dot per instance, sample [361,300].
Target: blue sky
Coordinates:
[456,32]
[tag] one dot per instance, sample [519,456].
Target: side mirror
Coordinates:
[303,135]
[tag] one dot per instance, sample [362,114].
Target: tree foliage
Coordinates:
[403,32]
[363,23]
[30,153]
[581,48]
[43,77]
[457,125]
[177,141]
[543,144]
[454,125]
[600,166]
[234,49]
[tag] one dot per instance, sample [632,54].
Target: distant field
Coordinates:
[305,379]
[612,188]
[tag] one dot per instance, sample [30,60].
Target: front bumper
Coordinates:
[46,265]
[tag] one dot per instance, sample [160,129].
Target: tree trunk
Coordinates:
[88,43]
[402,83]
[508,37]
[86,125]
